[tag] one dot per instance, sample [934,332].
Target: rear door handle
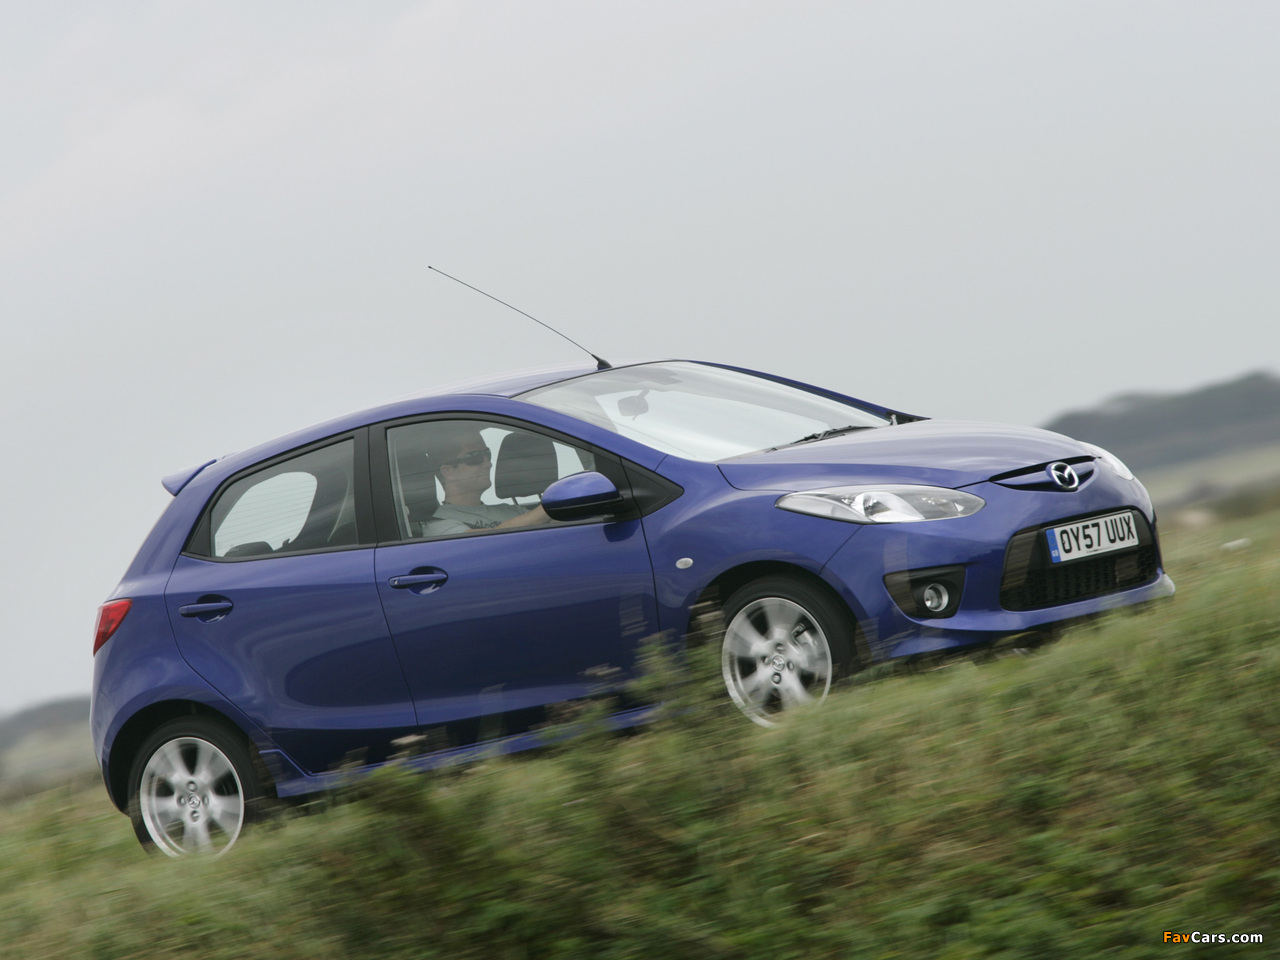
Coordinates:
[206,610]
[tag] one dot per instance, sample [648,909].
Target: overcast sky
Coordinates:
[216,219]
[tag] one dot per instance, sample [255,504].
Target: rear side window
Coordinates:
[304,503]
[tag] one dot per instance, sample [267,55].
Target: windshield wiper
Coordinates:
[823,434]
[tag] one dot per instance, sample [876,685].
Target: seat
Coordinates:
[254,548]
[321,528]
[418,487]
[525,467]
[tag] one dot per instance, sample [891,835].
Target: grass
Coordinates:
[1076,803]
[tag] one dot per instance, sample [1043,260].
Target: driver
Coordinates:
[463,463]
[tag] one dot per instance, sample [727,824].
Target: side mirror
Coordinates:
[580,496]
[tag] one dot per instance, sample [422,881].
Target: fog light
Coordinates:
[929,593]
[935,598]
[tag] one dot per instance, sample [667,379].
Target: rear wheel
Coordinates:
[193,788]
[785,642]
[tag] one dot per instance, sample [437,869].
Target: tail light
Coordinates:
[110,616]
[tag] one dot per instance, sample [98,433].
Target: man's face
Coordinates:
[469,470]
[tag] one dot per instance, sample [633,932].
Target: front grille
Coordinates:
[1031,581]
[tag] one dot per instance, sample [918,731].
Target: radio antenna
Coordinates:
[601,364]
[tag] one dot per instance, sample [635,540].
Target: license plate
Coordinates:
[1087,538]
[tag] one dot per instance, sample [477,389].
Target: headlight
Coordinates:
[885,503]
[1110,459]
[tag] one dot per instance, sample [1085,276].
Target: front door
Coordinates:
[496,618]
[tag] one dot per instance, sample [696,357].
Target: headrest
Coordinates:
[525,467]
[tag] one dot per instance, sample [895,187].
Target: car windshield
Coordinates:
[702,412]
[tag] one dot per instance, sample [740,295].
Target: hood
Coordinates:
[947,453]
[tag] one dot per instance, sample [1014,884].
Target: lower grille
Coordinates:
[1032,581]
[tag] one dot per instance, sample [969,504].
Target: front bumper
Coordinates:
[982,544]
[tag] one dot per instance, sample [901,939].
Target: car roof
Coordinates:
[511,383]
[507,385]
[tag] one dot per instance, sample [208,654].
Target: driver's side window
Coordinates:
[462,476]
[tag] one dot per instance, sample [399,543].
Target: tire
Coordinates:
[193,788]
[785,642]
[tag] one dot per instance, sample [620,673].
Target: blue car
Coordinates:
[433,576]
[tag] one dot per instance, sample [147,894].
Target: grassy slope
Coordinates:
[1075,803]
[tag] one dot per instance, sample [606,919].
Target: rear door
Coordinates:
[274,604]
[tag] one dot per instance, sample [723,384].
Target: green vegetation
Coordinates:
[1075,803]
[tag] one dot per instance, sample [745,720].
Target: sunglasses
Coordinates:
[472,459]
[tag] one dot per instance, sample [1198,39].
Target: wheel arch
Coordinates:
[127,742]
[713,596]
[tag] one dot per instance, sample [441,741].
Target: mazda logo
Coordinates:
[1063,476]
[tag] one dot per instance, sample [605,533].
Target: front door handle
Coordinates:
[428,579]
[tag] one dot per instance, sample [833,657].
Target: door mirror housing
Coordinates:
[581,496]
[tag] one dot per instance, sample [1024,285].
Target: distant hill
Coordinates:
[71,712]
[45,745]
[1156,431]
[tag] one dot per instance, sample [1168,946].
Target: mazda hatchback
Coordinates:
[433,576]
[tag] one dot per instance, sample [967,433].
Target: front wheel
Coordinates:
[785,642]
[192,788]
